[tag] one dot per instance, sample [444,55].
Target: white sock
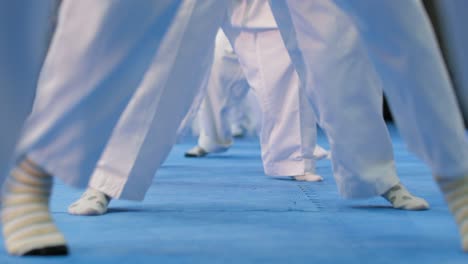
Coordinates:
[401,198]
[321,153]
[237,131]
[92,202]
[456,195]
[28,227]
[310,177]
[196,152]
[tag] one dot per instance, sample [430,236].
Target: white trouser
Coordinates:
[109,56]
[453,21]
[288,129]
[25,28]
[325,48]
[225,89]
[415,81]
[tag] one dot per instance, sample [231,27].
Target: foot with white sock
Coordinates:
[309,177]
[92,202]
[456,195]
[401,198]
[196,152]
[28,228]
[321,153]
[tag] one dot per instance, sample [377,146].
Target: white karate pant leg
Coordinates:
[240,115]
[453,23]
[416,82]
[147,129]
[252,114]
[226,88]
[238,118]
[331,61]
[189,124]
[288,133]
[100,55]
[25,28]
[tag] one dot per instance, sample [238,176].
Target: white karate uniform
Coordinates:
[106,57]
[329,55]
[288,128]
[25,28]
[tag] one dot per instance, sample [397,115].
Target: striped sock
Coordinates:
[456,195]
[28,228]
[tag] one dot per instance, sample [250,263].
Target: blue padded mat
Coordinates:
[222,209]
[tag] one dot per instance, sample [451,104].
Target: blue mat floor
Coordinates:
[222,209]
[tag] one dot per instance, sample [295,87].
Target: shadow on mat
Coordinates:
[372,206]
[234,157]
[126,210]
